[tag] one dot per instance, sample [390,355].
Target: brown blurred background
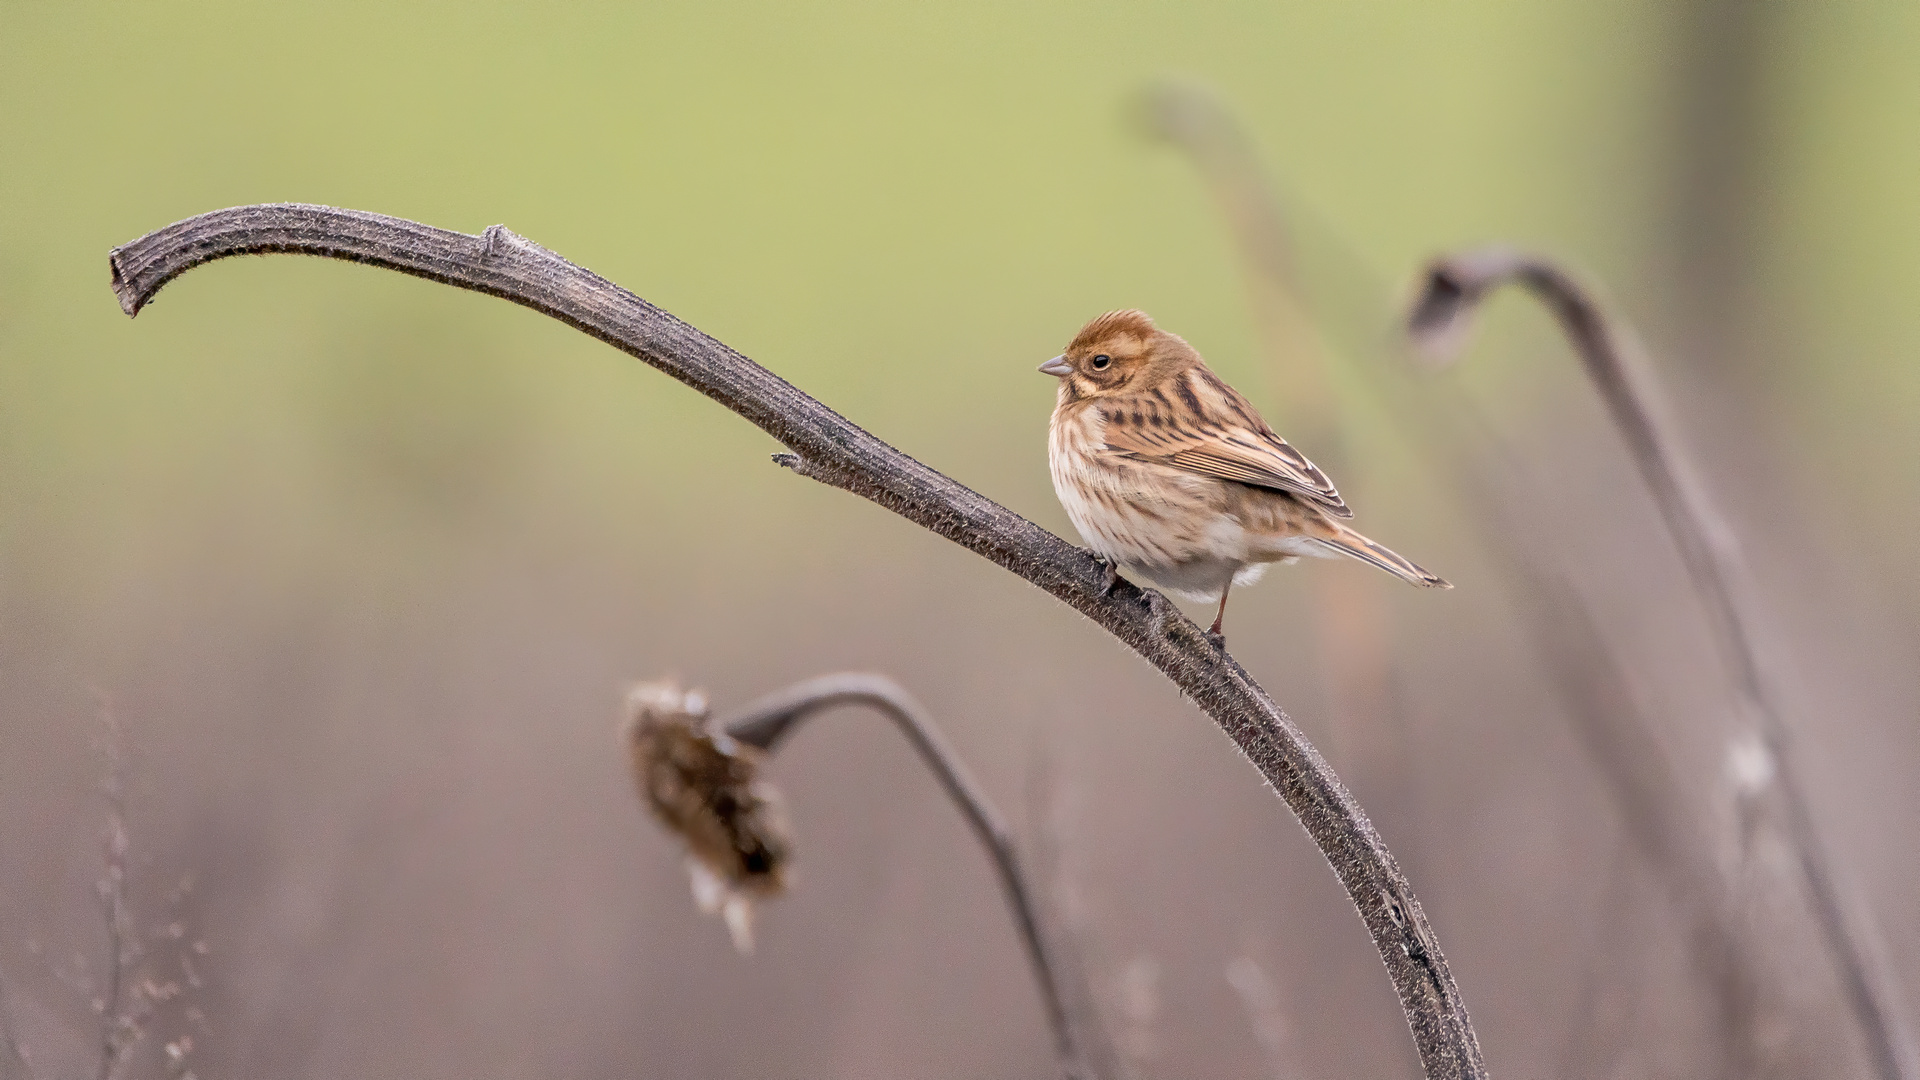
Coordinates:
[363,564]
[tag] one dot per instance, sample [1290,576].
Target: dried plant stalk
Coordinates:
[1071,945]
[130,990]
[828,448]
[118,1028]
[1454,287]
[764,724]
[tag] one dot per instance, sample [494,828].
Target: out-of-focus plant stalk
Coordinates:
[1261,1000]
[1454,287]
[129,990]
[1072,941]
[1350,610]
[766,723]
[15,1054]
[701,778]
[118,1028]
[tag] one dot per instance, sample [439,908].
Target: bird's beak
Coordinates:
[1057,367]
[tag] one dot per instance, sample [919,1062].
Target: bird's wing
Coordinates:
[1197,423]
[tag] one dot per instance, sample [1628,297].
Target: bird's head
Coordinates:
[1118,352]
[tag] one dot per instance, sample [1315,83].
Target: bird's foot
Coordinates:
[1158,607]
[1215,634]
[1109,576]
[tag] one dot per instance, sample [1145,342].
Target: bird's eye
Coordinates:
[1100,362]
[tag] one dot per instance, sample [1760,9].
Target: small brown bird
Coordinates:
[1169,473]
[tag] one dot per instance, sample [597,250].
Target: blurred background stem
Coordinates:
[1455,286]
[768,722]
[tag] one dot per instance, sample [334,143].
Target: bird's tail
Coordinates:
[1341,539]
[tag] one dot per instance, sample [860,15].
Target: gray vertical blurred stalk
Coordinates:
[10,1043]
[117,1028]
[766,723]
[1454,287]
[1261,1000]
[1071,940]
[1590,679]
[1350,610]
[1712,213]
[128,991]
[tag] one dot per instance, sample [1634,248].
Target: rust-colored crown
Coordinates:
[1129,323]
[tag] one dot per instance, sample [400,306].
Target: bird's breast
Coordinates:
[1139,514]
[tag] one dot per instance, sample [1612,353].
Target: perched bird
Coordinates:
[1169,473]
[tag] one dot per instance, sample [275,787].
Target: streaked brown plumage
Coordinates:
[1170,474]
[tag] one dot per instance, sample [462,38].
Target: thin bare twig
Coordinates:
[116,1025]
[1455,285]
[767,722]
[129,991]
[828,448]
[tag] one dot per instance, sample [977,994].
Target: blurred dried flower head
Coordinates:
[701,784]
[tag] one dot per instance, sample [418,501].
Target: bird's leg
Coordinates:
[1219,636]
[1109,575]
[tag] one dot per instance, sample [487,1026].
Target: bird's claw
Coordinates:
[1157,607]
[1109,576]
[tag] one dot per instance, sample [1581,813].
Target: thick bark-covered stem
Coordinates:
[828,448]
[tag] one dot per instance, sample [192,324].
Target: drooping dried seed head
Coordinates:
[703,786]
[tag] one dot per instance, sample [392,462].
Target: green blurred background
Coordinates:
[363,562]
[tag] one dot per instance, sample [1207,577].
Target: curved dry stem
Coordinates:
[767,722]
[1454,287]
[834,451]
